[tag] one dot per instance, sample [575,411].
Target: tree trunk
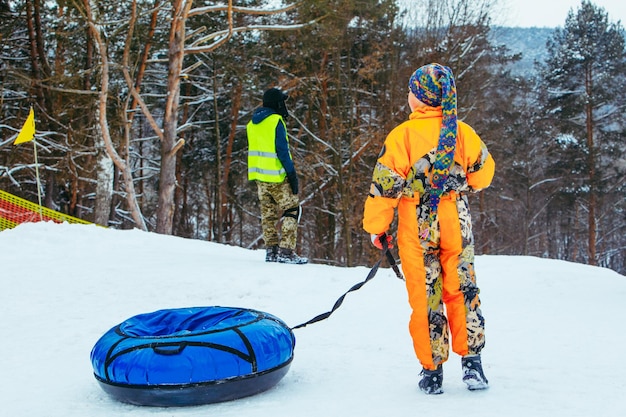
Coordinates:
[219,221]
[236,106]
[592,169]
[104,186]
[180,221]
[169,142]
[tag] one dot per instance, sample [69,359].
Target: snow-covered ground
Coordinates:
[556,331]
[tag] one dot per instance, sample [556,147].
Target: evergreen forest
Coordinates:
[141,109]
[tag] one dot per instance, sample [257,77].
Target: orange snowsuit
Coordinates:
[437,260]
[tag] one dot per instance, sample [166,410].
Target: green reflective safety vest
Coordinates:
[263,162]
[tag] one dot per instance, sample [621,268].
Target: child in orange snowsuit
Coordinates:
[426,167]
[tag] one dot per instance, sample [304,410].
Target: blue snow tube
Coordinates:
[192,356]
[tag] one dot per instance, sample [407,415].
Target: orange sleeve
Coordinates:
[388,181]
[482,178]
[479,163]
[378,214]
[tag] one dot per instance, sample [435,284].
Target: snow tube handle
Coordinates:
[169,348]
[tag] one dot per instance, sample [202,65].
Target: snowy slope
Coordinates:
[555,330]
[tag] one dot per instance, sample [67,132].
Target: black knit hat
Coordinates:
[275,99]
[273,96]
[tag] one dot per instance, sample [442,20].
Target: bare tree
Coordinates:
[103,131]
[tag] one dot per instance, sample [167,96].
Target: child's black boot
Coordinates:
[473,374]
[431,382]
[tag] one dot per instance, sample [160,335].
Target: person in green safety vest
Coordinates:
[270,165]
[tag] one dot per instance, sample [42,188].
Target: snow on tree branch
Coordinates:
[223,35]
[237,9]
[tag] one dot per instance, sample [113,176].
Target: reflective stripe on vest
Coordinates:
[263,154]
[263,162]
[252,170]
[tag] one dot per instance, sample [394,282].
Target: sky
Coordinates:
[554,329]
[552,13]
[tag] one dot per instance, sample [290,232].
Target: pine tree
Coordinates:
[584,80]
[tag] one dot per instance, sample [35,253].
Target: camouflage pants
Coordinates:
[451,280]
[438,264]
[276,199]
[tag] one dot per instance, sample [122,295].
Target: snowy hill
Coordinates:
[555,330]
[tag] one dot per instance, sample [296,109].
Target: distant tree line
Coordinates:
[141,107]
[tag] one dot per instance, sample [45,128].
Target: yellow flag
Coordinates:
[28,130]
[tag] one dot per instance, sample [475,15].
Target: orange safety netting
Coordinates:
[15,210]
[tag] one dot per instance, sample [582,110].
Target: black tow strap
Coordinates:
[386,253]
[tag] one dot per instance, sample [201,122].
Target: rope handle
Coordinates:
[386,253]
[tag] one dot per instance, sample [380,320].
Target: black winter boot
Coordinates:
[271,254]
[288,256]
[432,381]
[473,374]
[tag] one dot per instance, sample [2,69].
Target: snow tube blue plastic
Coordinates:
[192,356]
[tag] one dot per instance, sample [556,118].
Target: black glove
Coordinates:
[293,182]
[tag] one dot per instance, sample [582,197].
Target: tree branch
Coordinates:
[195,49]
[247,10]
[132,86]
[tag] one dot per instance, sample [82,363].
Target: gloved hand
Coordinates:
[379,238]
[293,182]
